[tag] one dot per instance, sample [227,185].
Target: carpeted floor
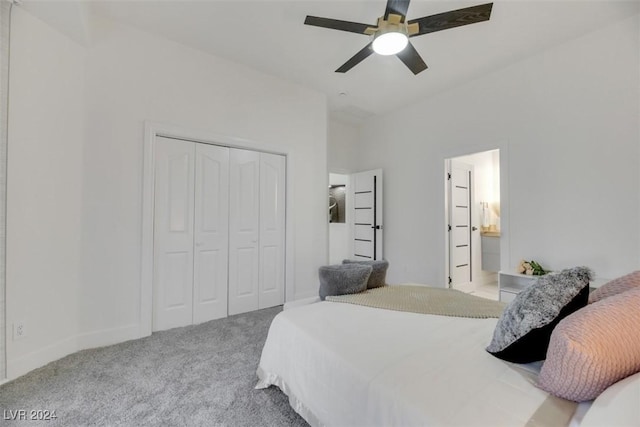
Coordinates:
[199,375]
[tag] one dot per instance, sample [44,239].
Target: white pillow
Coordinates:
[618,405]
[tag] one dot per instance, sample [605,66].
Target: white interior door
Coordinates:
[272,229]
[244,230]
[219,232]
[367,215]
[460,183]
[173,234]
[211,228]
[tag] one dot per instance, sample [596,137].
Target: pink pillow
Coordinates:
[594,348]
[616,286]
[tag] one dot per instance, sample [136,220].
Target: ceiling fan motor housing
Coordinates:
[393,24]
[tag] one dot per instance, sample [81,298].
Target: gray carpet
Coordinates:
[199,375]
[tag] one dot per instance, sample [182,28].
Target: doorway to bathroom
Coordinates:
[355,216]
[472,212]
[339,218]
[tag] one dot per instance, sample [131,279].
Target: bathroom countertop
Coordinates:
[490,233]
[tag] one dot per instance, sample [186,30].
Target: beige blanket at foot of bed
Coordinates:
[425,300]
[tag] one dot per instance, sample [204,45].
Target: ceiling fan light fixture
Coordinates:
[390,43]
[390,35]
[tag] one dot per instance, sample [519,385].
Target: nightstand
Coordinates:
[510,284]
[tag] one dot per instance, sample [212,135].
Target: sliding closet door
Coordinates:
[244,232]
[272,229]
[211,233]
[173,234]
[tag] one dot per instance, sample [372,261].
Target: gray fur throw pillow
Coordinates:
[523,331]
[342,279]
[378,276]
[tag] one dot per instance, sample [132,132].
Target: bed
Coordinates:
[350,365]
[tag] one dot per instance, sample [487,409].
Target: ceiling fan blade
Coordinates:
[356,59]
[452,19]
[335,24]
[412,59]
[397,7]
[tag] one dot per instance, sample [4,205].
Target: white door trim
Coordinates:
[153,130]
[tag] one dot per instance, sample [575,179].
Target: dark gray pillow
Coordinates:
[523,331]
[342,279]
[378,273]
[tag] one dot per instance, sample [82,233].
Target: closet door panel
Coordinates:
[211,240]
[246,257]
[173,234]
[177,272]
[244,233]
[272,229]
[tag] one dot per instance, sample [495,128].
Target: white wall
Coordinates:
[5,9]
[342,155]
[342,147]
[134,76]
[76,171]
[44,193]
[566,121]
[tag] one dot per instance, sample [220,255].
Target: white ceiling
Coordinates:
[269,35]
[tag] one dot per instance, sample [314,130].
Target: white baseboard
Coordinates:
[30,361]
[108,337]
[36,359]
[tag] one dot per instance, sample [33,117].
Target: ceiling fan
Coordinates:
[391,34]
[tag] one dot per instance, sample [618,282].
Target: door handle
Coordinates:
[474,228]
[377,227]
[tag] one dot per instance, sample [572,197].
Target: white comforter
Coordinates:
[348,365]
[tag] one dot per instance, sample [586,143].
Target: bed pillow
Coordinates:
[342,279]
[378,276]
[594,348]
[616,286]
[524,329]
[616,406]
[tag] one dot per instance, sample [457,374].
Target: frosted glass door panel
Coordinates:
[460,222]
[367,215]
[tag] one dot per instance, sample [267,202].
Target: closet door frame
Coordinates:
[154,130]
